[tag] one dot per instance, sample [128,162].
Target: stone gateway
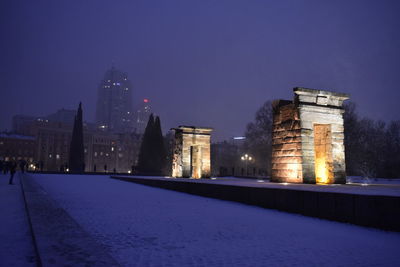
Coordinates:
[191,154]
[308,138]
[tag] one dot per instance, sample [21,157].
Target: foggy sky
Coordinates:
[204,63]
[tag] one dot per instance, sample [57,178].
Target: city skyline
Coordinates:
[209,64]
[114,110]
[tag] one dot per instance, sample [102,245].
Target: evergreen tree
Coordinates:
[159,148]
[152,154]
[76,151]
[145,152]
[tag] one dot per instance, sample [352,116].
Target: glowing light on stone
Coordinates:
[192,152]
[321,172]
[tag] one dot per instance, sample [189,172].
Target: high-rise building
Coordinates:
[114,103]
[142,116]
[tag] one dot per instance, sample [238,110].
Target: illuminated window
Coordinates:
[95,154]
[57,156]
[101,153]
[50,156]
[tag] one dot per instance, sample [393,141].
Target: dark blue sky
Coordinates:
[207,63]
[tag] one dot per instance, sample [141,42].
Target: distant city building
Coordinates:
[103,151]
[22,124]
[142,116]
[66,116]
[225,159]
[114,103]
[44,141]
[15,147]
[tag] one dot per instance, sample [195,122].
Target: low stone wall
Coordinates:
[367,210]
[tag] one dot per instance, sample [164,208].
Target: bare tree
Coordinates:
[259,137]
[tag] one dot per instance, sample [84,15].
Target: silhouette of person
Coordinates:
[22,164]
[13,166]
[6,167]
[105,168]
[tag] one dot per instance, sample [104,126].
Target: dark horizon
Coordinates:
[200,63]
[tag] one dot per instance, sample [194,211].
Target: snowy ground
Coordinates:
[16,248]
[366,180]
[145,226]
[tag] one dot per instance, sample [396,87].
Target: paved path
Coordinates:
[16,247]
[60,240]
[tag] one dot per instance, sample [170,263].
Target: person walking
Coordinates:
[22,164]
[13,166]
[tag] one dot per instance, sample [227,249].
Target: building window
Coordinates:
[50,156]
[95,154]
[57,156]
[112,148]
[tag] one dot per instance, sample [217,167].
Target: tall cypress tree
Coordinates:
[76,150]
[146,148]
[159,148]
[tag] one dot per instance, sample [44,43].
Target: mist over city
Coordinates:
[199,133]
[217,60]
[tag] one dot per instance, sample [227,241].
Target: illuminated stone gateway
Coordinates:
[191,152]
[308,138]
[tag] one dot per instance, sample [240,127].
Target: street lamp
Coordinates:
[246,158]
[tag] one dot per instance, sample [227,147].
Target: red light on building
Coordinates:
[145,100]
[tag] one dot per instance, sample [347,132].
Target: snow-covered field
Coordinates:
[145,226]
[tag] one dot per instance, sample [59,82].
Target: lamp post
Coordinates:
[246,158]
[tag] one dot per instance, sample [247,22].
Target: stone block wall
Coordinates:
[296,156]
[286,143]
[192,152]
